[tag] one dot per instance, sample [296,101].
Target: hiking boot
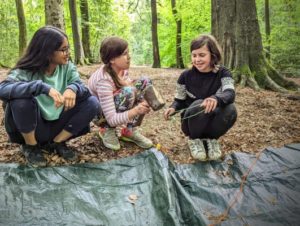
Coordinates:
[62,150]
[153,98]
[33,155]
[197,149]
[213,149]
[109,138]
[136,137]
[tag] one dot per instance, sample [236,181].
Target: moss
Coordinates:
[259,72]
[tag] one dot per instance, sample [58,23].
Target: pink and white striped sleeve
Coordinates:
[105,94]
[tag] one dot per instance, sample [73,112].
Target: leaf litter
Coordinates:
[265,119]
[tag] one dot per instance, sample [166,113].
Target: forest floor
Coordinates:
[264,119]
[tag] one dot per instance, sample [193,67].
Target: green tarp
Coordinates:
[147,189]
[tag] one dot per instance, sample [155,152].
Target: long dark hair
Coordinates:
[112,47]
[43,44]
[212,45]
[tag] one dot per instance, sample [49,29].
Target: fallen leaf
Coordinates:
[132,198]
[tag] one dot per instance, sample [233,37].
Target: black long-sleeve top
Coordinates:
[193,85]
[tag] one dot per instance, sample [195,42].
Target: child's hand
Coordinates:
[142,108]
[57,97]
[168,113]
[69,99]
[210,104]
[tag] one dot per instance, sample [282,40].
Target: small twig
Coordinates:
[237,196]
[190,116]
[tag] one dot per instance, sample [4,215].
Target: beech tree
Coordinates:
[235,25]
[85,29]
[156,58]
[267,28]
[179,60]
[22,26]
[78,49]
[54,12]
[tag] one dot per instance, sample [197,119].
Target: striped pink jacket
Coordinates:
[102,86]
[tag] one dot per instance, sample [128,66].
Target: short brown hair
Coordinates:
[212,45]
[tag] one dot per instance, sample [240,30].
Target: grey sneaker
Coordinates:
[137,138]
[109,138]
[197,149]
[213,149]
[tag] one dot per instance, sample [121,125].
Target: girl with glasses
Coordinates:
[46,102]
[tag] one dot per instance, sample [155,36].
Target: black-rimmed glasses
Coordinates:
[66,50]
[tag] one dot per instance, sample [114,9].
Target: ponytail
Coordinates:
[113,75]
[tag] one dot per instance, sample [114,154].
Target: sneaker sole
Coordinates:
[133,141]
[215,158]
[204,159]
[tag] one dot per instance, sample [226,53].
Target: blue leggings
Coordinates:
[211,125]
[27,117]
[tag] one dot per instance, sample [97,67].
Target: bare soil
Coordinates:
[264,119]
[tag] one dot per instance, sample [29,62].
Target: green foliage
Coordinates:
[106,19]
[9,29]
[167,34]
[140,39]
[131,20]
[285,32]
[102,16]
[192,26]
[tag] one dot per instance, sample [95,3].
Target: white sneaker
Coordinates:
[136,137]
[213,149]
[109,138]
[197,149]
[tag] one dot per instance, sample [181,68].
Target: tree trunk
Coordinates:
[156,58]
[268,29]
[22,26]
[179,60]
[78,49]
[54,12]
[85,30]
[235,26]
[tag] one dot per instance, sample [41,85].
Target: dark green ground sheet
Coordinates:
[147,189]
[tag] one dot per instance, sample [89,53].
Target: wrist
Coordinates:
[73,88]
[135,111]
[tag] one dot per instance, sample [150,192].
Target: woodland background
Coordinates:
[261,45]
[279,22]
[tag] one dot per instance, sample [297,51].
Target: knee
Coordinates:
[93,106]
[230,113]
[127,94]
[128,91]
[232,110]
[143,82]
[145,79]
[23,105]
